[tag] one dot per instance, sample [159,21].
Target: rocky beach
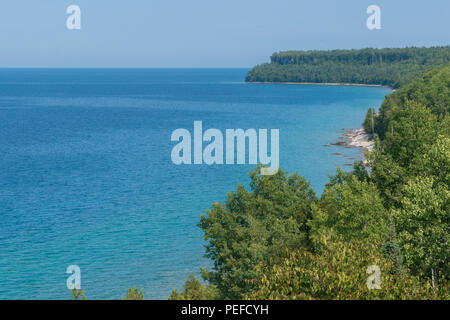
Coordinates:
[355,138]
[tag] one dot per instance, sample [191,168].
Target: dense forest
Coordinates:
[391,67]
[279,240]
[431,89]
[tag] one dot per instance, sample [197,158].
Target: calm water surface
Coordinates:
[86,176]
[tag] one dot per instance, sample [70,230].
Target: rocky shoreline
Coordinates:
[357,138]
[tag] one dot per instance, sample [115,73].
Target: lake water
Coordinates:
[86,176]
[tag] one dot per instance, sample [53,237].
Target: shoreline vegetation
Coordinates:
[279,240]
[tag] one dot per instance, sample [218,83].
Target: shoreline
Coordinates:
[355,138]
[358,138]
[351,138]
[324,84]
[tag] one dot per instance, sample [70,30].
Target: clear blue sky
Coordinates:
[206,33]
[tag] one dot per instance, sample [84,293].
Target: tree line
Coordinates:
[391,67]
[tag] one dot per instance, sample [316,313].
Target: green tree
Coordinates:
[401,155]
[388,175]
[423,225]
[339,271]
[194,290]
[392,249]
[352,208]
[134,294]
[77,294]
[432,90]
[369,121]
[252,227]
[415,129]
[436,162]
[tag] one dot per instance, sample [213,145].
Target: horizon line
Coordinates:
[125,67]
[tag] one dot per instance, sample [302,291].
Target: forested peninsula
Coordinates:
[391,67]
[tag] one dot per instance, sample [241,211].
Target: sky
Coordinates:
[206,33]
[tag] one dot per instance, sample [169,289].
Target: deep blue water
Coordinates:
[86,176]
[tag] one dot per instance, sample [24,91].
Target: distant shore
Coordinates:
[323,84]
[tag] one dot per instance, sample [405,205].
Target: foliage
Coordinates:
[339,272]
[405,152]
[436,162]
[423,226]
[415,128]
[134,294]
[369,122]
[393,67]
[353,209]
[391,248]
[254,226]
[431,90]
[388,176]
[77,294]
[194,290]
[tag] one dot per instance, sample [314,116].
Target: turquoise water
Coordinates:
[86,176]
